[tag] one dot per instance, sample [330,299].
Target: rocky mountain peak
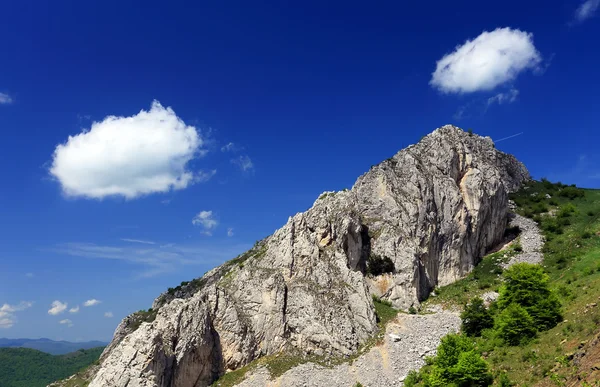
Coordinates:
[419,219]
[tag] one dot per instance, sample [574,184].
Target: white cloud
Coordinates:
[230,147]
[108,314]
[491,59]
[501,98]
[7,313]
[129,156]
[66,322]
[154,259]
[138,241]
[244,163]
[74,310]
[57,308]
[230,232]
[586,10]
[5,99]
[91,302]
[29,275]
[206,220]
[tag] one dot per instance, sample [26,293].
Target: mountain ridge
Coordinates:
[419,219]
[53,347]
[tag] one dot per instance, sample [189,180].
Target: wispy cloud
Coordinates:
[586,10]
[244,163]
[506,97]
[74,310]
[138,241]
[57,308]
[206,220]
[108,314]
[29,275]
[230,147]
[91,302]
[230,232]
[5,99]
[66,322]
[7,313]
[153,259]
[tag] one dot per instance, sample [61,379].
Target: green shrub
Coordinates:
[572,192]
[590,213]
[377,265]
[457,364]
[586,235]
[504,381]
[476,318]
[412,310]
[514,325]
[412,379]
[526,285]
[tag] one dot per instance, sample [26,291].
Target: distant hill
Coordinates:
[25,367]
[50,346]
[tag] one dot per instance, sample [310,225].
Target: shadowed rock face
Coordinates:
[433,209]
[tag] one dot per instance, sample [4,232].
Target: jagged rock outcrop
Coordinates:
[432,210]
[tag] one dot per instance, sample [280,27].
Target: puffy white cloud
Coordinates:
[129,156]
[244,163]
[66,322]
[507,97]
[108,314]
[74,310]
[491,59]
[7,313]
[57,308]
[91,302]
[586,10]
[5,99]
[230,232]
[206,220]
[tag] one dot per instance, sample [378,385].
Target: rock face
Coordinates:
[433,210]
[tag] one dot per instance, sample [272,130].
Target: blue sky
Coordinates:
[145,143]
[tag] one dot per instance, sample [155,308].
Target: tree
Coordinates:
[476,318]
[527,286]
[514,325]
[457,364]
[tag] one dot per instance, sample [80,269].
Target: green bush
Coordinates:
[476,318]
[514,325]
[412,379]
[457,364]
[412,310]
[572,192]
[504,381]
[526,285]
[377,265]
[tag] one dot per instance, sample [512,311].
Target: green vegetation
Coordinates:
[24,367]
[529,341]
[457,363]
[142,316]
[377,265]
[475,318]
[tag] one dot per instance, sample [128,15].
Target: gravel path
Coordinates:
[532,241]
[408,340]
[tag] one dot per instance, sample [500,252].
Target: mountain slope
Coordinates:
[24,367]
[50,346]
[419,219]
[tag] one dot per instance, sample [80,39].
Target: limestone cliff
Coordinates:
[432,210]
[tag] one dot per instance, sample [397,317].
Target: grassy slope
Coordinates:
[24,367]
[572,260]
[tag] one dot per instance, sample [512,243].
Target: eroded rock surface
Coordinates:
[433,209]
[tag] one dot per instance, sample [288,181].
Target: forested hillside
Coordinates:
[24,367]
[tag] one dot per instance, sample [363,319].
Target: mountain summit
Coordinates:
[419,219]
